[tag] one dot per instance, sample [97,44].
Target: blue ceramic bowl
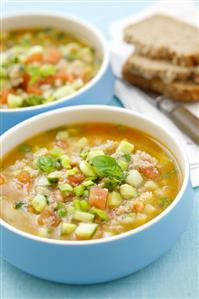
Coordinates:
[101,260]
[98,91]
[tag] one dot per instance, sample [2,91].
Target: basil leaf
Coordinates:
[18,204]
[46,163]
[107,166]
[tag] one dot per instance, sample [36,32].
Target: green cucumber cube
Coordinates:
[39,202]
[67,228]
[83,216]
[85,231]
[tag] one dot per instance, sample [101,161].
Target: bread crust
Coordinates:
[166,38]
[179,91]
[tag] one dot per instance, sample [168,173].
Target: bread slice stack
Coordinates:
[166,57]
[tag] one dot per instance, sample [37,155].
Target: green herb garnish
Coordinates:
[107,166]
[46,163]
[25,148]
[19,204]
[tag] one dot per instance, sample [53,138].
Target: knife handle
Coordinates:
[186,121]
[181,116]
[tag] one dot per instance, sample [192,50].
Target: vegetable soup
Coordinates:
[38,66]
[87,181]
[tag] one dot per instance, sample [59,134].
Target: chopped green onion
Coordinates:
[100,213]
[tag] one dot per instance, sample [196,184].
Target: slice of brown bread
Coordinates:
[161,69]
[163,37]
[179,90]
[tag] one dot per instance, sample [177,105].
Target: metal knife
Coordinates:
[179,114]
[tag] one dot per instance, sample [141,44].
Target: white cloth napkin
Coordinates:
[130,97]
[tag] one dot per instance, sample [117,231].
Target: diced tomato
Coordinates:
[37,57]
[26,79]
[4,95]
[52,56]
[63,75]
[150,172]
[24,177]
[34,89]
[2,180]
[138,206]
[98,197]
[76,179]
[49,218]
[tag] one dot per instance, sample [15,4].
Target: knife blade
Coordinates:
[179,114]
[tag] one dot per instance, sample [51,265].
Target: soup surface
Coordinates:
[87,181]
[43,65]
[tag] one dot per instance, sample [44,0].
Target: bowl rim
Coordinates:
[88,85]
[127,234]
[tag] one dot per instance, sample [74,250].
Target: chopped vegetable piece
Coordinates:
[67,228]
[39,202]
[2,180]
[125,147]
[76,179]
[150,185]
[107,166]
[66,188]
[94,153]
[54,177]
[87,169]
[46,163]
[127,191]
[134,178]
[100,213]
[79,190]
[19,204]
[14,101]
[138,206]
[72,172]
[65,161]
[33,99]
[150,172]
[56,152]
[85,231]
[123,164]
[44,232]
[98,197]
[63,135]
[83,216]
[114,199]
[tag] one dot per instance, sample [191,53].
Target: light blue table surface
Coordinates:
[176,274]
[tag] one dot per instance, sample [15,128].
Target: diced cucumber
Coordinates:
[114,199]
[67,228]
[134,178]
[83,216]
[94,153]
[65,161]
[72,171]
[100,213]
[125,147]
[87,169]
[39,202]
[70,210]
[85,231]
[56,152]
[127,191]
[79,190]
[14,101]
[150,185]
[54,177]
[123,164]
[43,181]
[88,183]
[65,188]
[63,91]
